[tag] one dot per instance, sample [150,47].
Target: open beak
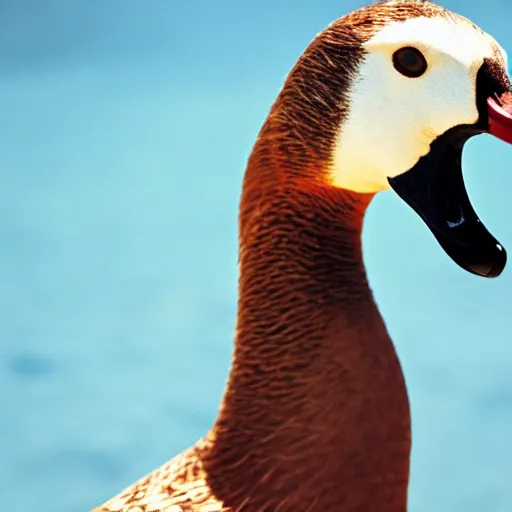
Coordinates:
[435,189]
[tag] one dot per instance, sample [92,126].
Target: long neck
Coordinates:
[316,412]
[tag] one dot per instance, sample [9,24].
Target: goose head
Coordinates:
[423,80]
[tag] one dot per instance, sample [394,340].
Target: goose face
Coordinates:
[423,87]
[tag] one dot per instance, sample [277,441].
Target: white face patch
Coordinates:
[393,119]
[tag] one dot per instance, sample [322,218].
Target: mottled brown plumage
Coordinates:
[315,416]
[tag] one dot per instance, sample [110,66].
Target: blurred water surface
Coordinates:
[125,130]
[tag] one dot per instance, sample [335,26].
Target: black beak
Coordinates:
[435,188]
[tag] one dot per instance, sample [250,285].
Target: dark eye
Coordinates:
[410,62]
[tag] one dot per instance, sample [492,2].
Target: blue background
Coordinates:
[124,130]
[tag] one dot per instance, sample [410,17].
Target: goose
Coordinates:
[315,416]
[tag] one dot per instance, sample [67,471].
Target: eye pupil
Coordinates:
[410,62]
[410,59]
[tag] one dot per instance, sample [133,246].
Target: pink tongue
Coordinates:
[500,117]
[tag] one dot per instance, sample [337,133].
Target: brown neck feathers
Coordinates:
[315,415]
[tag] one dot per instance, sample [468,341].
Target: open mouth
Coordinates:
[435,189]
